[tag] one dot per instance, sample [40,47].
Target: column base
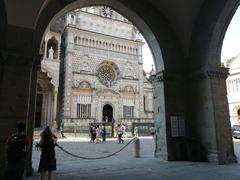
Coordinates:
[163,156]
[221,158]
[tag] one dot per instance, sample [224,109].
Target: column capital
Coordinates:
[164,76]
[209,73]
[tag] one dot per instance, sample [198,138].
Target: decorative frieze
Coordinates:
[209,73]
[164,76]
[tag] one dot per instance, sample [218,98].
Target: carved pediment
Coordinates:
[107,92]
[81,85]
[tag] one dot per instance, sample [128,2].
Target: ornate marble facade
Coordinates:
[101,69]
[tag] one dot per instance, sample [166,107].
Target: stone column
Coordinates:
[17,98]
[94,102]
[210,119]
[159,118]
[65,87]
[49,109]
[44,110]
[32,108]
[140,89]
[54,116]
[169,101]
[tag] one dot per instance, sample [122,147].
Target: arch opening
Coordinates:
[107,113]
[90,57]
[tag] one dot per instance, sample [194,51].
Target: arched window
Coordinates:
[72,19]
[75,40]
[90,42]
[52,48]
[79,40]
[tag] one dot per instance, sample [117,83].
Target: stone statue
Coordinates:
[50,53]
[106,119]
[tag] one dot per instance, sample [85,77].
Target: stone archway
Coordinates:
[139,21]
[107,113]
[169,81]
[193,80]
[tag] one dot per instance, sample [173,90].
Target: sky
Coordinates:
[231,42]
[230,48]
[147,58]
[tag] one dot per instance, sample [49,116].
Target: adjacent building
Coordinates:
[233,88]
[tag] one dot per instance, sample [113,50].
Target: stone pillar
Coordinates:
[65,87]
[94,103]
[55,109]
[140,89]
[159,118]
[55,104]
[210,122]
[44,111]
[49,109]
[32,108]
[17,97]
[169,101]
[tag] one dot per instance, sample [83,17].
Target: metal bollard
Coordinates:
[136,148]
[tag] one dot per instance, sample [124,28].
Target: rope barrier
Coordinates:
[94,158]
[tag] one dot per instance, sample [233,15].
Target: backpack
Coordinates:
[16,149]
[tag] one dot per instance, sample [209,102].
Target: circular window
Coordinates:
[106,75]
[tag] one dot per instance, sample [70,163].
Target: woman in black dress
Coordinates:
[47,160]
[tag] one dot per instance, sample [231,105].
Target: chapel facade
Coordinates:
[95,66]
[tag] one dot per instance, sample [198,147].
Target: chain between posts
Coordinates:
[94,158]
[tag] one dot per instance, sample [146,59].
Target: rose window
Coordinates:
[106,75]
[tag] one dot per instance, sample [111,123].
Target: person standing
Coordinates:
[152,131]
[135,132]
[61,129]
[98,133]
[103,133]
[126,131]
[47,160]
[120,133]
[91,134]
[17,146]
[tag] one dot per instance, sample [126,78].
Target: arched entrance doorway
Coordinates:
[107,113]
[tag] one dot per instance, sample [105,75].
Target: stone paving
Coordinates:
[125,166]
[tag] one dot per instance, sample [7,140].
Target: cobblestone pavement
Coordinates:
[125,166]
[82,147]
